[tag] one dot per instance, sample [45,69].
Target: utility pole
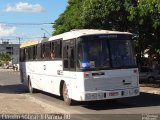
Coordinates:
[46,31]
[44,36]
[19,40]
[2,40]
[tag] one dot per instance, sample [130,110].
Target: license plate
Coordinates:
[113,93]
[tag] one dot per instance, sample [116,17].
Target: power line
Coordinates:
[13,39]
[26,23]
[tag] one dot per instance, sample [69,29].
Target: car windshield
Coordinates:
[99,52]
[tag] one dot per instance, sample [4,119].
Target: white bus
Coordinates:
[81,65]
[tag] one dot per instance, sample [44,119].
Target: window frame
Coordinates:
[67,45]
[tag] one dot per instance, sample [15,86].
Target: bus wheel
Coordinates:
[66,98]
[30,88]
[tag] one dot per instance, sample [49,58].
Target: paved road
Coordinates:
[10,82]
[137,108]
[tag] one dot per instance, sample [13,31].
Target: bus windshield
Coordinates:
[96,52]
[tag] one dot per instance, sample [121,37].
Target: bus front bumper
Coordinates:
[108,94]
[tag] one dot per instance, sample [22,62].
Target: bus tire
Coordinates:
[30,88]
[66,98]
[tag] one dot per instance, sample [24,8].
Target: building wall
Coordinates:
[12,50]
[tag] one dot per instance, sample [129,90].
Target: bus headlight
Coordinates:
[88,96]
[136,91]
[91,96]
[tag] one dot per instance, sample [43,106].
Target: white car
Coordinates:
[16,67]
[147,74]
[8,66]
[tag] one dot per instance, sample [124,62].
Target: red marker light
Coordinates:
[86,75]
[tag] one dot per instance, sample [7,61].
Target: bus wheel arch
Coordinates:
[64,93]
[61,88]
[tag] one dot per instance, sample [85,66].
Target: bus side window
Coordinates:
[52,52]
[39,51]
[35,52]
[69,54]
[47,50]
[65,54]
[72,55]
[30,53]
[43,51]
[26,54]
[57,49]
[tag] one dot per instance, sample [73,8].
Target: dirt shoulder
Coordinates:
[22,104]
[150,88]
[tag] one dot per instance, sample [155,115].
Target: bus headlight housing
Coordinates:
[136,91]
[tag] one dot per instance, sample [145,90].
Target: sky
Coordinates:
[26,19]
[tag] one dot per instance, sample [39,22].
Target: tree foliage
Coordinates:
[141,17]
[4,58]
[70,19]
[146,16]
[106,14]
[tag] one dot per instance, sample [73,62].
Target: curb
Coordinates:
[14,73]
[151,92]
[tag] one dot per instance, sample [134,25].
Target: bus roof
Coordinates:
[72,34]
[33,42]
[83,32]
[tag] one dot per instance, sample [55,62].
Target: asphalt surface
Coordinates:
[10,82]
[144,107]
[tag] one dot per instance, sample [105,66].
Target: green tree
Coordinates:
[141,17]
[96,14]
[146,19]
[4,58]
[106,14]
[70,19]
